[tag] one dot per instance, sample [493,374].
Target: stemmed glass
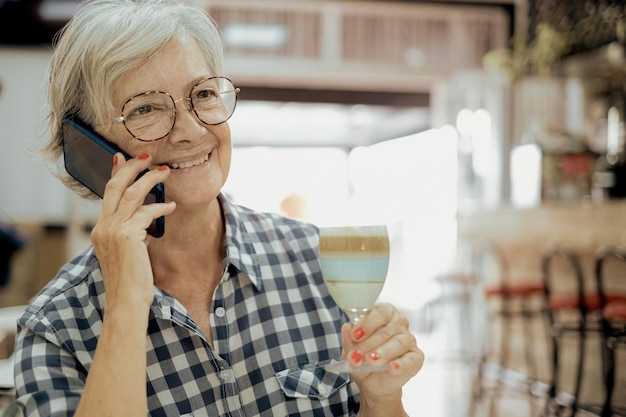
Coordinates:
[354,262]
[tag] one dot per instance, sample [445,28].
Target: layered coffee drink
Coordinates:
[354,262]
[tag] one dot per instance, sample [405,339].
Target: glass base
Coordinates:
[355,314]
[344,366]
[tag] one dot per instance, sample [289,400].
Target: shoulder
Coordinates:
[275,226]
[77,286]
[268,226]
[270,238]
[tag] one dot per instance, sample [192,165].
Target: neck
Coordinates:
[190,232]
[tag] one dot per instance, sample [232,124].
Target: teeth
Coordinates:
[189,164]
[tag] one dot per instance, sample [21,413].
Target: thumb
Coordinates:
[346,339]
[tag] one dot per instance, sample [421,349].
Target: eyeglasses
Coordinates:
[150,116]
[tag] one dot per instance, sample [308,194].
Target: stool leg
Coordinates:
[582,336]
[554,337]
[609,348]
[559,409]
[479,390]
[531,368]
[503,354]
[475,396]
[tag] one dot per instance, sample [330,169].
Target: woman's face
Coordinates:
[198,155]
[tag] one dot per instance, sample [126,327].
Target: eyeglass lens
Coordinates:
[150,116]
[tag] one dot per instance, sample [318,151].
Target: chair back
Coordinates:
[610,274]
[489,263]
[563,278]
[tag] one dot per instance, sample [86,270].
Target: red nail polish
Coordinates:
[358,333]
[356,356]
[162,168]
[115,161]
[143,156]
[374,356]
[395,365]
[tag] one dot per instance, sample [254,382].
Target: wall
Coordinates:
[29,195]
[27,190]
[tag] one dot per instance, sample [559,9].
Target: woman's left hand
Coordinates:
[382,337]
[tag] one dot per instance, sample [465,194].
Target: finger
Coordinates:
[392,349]
[123,174]
[146,214]
[378,316]
[383,339]
[384,323]
[408,364]
[398,357]
[346,335]
[135,194]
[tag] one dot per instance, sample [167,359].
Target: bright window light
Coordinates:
[526,175]
[255,35]
[58,10]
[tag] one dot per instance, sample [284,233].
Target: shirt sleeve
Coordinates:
[48,379]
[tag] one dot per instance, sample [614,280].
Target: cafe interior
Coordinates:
[489,133]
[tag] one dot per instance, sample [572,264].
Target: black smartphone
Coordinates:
[88,158]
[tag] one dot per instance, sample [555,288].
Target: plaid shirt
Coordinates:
[272,320]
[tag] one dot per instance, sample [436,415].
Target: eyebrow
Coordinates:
[190,84]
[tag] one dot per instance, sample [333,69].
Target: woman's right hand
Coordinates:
[116,383]
[120,238]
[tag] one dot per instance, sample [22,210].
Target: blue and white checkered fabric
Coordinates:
[276,321]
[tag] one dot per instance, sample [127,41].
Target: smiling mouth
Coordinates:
[189,164]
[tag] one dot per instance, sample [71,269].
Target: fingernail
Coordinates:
[163,168]
[395,365]
[356,356]
[358,333]
[374,356]
[143,156]
[115,161]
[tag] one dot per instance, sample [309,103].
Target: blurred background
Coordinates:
[460,121]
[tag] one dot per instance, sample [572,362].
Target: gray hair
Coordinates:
[103,41]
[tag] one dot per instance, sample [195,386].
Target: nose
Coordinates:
[185,121]
[187,99]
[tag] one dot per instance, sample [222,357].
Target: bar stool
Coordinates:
[456,310]
[568,305]
[611,284]
[519,300]
[456,313]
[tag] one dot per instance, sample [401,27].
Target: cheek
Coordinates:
[225,159]
[119,136]
[225,149]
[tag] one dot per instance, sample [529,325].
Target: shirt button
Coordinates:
[220,312]
[227,375]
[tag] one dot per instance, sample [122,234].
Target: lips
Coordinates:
[189,164]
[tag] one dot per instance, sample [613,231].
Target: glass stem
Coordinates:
[356,314]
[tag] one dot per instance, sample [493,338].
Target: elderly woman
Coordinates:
[226,314]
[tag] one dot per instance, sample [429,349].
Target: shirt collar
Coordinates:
[239,249]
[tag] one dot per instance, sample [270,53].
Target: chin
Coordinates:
[193,197]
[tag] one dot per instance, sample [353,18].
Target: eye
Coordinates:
[145,105]
[205,94]
[144,109]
